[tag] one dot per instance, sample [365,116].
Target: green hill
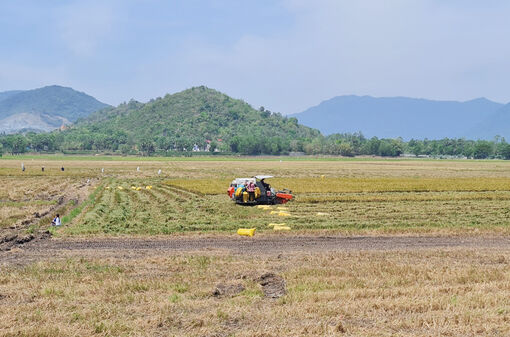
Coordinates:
[189,119]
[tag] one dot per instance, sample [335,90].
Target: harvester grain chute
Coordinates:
[261,192]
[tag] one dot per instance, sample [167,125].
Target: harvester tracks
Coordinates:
[258,245]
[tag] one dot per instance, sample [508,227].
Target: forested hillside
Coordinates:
[199,118]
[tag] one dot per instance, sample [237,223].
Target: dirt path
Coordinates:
[129,247]
[274,244]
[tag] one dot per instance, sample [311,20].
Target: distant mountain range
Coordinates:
[44,109]
[391,117]
[205,113]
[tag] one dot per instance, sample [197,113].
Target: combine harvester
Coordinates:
[263,194]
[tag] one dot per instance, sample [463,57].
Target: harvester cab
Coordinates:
[256,191]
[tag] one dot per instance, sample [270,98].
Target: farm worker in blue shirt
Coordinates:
[241,186]
[56,221]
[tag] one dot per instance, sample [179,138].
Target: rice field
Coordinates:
[355,185]
[375,196]
[150,291]
[127,207]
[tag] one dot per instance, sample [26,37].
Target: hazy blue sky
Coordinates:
[286,55]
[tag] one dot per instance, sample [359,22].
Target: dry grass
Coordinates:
[24,199]
[424,293]
[242,168]
[31,188]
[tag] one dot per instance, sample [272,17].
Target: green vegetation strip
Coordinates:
[207,158]
[77,210]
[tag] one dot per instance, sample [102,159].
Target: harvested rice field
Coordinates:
[368,247]
[370,196]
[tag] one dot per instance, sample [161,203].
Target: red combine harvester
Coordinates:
[263,194]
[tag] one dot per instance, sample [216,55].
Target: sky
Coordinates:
[285,55]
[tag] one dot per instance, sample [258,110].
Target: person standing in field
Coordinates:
[240,186]
[251,190]
[243,186]
[22,167]
[56,220]
[266,186]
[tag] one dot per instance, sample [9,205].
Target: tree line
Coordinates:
[352,144]
[253,143]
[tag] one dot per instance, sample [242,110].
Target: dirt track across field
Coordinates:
[132,247]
